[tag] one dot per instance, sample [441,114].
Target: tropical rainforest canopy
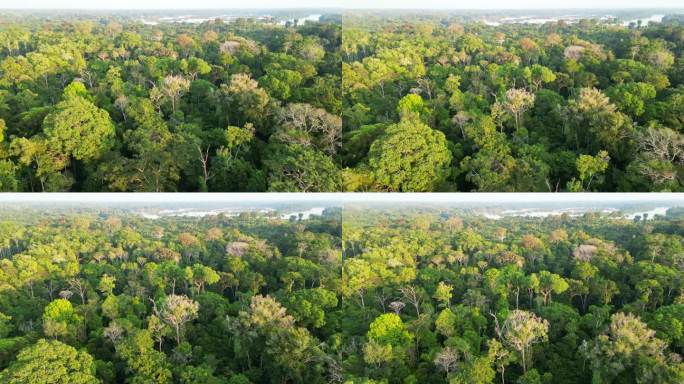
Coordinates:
[113,104]
[105,296]
[364,295]
[433,295]
[360,103]
[437,103]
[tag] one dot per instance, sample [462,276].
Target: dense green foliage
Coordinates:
[393,103]
[589,106]
[109,297]
[97,104]
[368,295]
[436,296]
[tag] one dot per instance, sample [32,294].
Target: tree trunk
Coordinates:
[523,361]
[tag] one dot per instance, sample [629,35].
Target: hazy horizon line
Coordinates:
[349,8]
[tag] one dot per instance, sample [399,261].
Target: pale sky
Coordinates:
[275,4]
